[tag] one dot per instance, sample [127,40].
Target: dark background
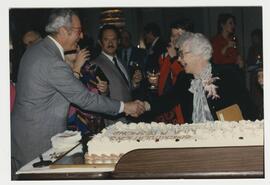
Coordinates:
[203,18]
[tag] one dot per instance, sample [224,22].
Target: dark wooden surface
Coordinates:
[66,176]
[223,162]
[218,162]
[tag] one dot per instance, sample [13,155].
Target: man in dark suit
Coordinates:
[130,54]
[45,88]
[155,46]
[133,58]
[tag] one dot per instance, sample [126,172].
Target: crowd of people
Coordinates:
[61,85]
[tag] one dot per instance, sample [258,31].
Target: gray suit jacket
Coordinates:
[119,89]
[45,88]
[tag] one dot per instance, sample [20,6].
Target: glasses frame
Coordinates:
[180,53]
[77,28]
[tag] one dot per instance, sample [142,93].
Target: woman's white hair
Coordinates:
[58,19]
[197,44]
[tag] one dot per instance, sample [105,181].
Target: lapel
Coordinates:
[108,63]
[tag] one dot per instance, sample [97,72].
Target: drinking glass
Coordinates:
[153,77]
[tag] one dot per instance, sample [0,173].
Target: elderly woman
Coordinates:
[203,88]
[169,70]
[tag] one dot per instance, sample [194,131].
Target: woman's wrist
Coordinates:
[77,74]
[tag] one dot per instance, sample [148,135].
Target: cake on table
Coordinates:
[118,139]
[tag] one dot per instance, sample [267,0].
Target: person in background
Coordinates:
[88,123]
[88,43]
[31,37]
[254,61]
[203,88]
[258,92]
[154,46]
[255,51]
[47,86]
[130,54]
[133,59]
[169,70]
[120,85]
[224,44]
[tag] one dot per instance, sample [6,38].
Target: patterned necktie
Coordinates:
[120,71]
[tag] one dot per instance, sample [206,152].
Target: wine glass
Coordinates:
[258,59]
[136,68]
[234,39]
[153,77]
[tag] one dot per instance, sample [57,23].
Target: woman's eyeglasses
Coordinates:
[180,53]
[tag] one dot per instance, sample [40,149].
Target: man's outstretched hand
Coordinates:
[134,109]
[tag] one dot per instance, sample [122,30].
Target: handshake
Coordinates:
[136,108]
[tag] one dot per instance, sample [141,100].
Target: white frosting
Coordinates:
[121,138]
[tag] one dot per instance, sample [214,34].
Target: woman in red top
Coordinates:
[169,70]
[224,43]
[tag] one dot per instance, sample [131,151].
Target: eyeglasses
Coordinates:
[180,53]
[77,28]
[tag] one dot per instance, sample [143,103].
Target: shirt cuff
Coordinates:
[121,107]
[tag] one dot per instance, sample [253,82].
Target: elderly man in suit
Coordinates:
[46,86]
[118,77]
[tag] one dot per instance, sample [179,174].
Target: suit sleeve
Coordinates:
[62,79]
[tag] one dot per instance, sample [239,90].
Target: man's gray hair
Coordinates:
[197,43]
[59,18]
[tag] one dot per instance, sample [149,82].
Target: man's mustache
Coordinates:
[111,46]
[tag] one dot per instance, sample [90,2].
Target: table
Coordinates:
[172,163]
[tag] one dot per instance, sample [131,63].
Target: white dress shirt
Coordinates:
[61,49]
